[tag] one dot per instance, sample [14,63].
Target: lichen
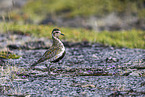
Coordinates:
[8,55]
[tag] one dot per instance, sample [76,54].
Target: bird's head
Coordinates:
[56,32]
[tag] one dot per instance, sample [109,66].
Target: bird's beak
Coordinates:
[62,34]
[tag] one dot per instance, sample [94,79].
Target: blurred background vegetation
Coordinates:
[111,22]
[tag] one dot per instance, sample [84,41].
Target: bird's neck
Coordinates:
[57,42]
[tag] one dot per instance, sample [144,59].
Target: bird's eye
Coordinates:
[56,32]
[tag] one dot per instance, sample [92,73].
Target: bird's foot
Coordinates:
[51,76]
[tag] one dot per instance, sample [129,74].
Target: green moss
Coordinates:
[8,55]
[131,38]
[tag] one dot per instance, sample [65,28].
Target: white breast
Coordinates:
[61,53]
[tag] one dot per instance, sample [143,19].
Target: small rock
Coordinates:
[94,56]
[84,94]
[143,83]
[115,94]
[88,85]
[41,68]
[126,72]
[15,46]
[19,95]
[134,74]
[110,60]
[42,74]
[21,79]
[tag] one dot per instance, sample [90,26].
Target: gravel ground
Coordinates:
[92,71]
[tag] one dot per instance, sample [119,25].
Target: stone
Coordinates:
[134,74]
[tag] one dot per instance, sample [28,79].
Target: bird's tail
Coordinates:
[37,62]
[34,64]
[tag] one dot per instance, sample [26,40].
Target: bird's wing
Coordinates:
[50,53]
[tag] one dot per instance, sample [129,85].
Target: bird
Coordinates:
[55,53]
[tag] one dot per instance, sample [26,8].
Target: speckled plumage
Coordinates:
[55,52]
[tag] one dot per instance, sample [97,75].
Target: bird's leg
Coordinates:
[49,73]
[61,64]
[48,68]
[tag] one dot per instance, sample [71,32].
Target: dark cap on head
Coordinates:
[55,29]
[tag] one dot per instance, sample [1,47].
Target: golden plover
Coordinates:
[55,53]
